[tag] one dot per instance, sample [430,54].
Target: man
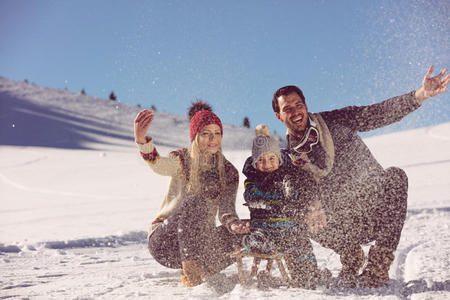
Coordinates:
[359,201]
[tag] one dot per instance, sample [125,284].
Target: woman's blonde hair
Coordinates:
[196,168]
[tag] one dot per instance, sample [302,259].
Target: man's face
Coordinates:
[293,113]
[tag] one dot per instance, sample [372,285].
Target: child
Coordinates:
[275,217]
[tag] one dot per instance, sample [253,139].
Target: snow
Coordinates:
[77,199]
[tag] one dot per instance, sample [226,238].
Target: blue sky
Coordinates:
[233,54]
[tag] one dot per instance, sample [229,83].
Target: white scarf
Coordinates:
[326,141]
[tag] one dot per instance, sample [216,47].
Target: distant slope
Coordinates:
[31,115]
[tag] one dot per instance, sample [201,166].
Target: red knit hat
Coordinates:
[203,118]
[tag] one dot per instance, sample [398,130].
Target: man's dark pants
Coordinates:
[384,225]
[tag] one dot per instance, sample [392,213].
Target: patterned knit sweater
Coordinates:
[274,199]
[264,195]
[176,165]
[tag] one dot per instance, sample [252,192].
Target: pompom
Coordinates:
[197,106]
[262,130]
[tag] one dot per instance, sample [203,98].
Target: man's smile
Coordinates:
[298,119]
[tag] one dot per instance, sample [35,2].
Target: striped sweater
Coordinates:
[270,205]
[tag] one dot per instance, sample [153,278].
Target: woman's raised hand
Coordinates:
[141,125]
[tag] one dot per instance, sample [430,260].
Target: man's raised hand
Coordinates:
[432,86]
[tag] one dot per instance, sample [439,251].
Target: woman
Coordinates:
[203,185]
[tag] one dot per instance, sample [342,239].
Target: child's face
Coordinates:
[268,162]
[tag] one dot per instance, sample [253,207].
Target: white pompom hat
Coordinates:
[263,143]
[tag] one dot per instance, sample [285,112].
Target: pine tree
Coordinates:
[246,122]
[112,97]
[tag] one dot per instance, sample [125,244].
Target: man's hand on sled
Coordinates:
[240,227]
[315,218]
[432,86]
[141,125]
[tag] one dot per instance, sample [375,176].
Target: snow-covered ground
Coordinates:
[76,201]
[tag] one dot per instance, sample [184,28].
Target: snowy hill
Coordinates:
[39,116]
[77,199]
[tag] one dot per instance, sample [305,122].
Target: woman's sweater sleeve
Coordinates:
[166,166]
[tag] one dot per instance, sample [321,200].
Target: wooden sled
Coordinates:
[245,276]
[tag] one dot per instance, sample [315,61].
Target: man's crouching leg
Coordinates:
[352,260]
[391,215]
